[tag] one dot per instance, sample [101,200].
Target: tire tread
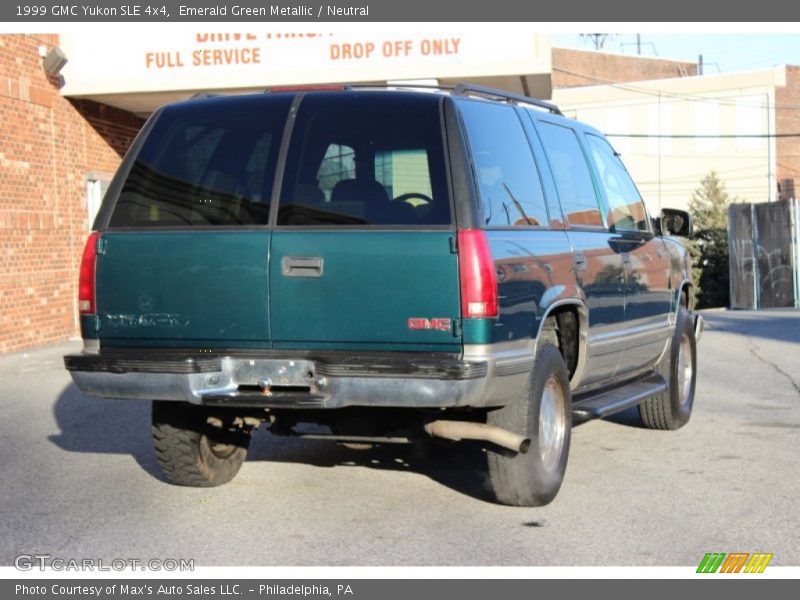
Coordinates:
[178,438]
[513,478]
[658,412]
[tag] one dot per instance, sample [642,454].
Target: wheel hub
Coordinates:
[685,370]
[551,424]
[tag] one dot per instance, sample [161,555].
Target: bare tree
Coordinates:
[597,39]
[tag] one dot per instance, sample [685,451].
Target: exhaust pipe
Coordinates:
[467,430]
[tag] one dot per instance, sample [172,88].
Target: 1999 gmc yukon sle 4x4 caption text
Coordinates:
[394,264]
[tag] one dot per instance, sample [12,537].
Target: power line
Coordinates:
[692,178]
[780,58]
[679,180]
[674,155]
[666,99]
[688,136]
[661,93]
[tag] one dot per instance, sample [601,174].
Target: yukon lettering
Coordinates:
[147,320]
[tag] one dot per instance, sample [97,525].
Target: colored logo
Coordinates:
[736,562]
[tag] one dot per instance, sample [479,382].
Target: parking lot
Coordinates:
[78,479]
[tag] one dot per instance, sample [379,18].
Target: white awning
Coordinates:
[138,71]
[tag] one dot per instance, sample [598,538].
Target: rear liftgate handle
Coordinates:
[302,266]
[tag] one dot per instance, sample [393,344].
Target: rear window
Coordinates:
[205,164]
[366,159]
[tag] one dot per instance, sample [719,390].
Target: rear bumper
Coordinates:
[301,381]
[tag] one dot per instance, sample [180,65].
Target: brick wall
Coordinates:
[787,120]
[577,68]
[48,145]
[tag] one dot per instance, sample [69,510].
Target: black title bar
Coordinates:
[590,11]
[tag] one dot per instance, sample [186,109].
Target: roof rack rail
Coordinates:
[204,95]
[461,89]
[465,89]
[311,87]
[398,86]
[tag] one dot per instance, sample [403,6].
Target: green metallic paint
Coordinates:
[534,270]
[88,327]
[478,331]
[453,348]
[184,288]
[373,282]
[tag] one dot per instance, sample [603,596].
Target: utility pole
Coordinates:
[700,65]
[639,44]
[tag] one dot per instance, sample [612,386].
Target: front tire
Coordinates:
[192,452]
[672,409]
[543,414]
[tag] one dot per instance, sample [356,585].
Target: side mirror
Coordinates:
[675,222]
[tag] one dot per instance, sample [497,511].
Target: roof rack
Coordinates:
[462,89]
[466,89]
[311,87]
[398,86]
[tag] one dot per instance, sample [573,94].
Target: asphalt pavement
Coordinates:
[78,479]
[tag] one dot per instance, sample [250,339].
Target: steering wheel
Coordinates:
[422,199]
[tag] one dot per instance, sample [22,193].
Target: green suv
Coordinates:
[394,264]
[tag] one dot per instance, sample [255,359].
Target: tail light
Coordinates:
[86,292]
[477,274]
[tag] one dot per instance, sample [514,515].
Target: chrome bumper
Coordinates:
[477,380]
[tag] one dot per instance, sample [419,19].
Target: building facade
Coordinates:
[64,135]
[578,68]
[673,132]
[787,127]
[52,150]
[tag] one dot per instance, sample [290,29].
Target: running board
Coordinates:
[602,404]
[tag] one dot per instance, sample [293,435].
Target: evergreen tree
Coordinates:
[709,203]
[709,248]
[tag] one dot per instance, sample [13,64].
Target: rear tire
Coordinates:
[192,452]
[543,414]
[672,409]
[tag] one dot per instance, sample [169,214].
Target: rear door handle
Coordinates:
[302,266]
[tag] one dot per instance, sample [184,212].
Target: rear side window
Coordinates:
[626,209]
[510,188]
[571,174]
[204,164]
[365,159]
